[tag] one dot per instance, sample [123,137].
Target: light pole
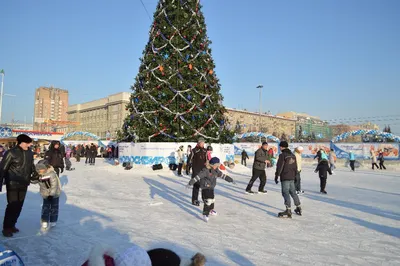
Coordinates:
[260,87]
[1,93]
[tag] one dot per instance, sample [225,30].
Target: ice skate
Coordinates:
[213,213]
[298,210]
[285,214]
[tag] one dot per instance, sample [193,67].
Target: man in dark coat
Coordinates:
[244,157]
[260,163]
[55,156]
[286,169]
[17,170]
[198,159]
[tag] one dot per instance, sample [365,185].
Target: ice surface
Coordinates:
[357,223]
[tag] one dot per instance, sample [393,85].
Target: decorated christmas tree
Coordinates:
[176,95]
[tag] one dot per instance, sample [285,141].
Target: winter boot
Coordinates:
[285,214]
[7,232]
[298,210]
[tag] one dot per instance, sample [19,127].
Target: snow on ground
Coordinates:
[357,223]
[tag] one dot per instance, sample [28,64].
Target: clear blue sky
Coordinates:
[330,58]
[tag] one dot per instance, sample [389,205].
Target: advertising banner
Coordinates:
[165,152]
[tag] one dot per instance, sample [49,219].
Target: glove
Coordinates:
[62,169]
[50,197]
[276,180]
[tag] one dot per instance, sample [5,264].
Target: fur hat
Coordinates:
[24,138]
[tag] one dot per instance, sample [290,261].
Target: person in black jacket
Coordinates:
[55,156]
[17,170]
[260,163]
[286,169]
[323,168]
[244,157]
[198,160]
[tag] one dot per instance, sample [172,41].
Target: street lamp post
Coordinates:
[2,93]
[260,87]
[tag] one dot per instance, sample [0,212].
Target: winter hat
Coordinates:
[264,143]
[134,255]
[201,139]
[214,161]
[283,144]
[23,138]
[42,165]
[163,257]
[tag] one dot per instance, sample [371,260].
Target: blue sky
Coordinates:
[330,58]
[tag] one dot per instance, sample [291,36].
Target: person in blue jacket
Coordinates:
[352,159]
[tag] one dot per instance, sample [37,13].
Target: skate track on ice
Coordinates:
[357,223]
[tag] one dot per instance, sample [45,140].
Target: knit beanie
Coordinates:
[23,138]
[163,257]
[214,161]
[284,144]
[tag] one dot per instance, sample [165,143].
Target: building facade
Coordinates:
[309,127]
[102,117]
[244,121]
[50,104]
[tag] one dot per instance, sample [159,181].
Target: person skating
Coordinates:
[286,169]
[381,160]
[55,157]
[323,169]
[352,159]
[188,163]
[260,163]
[198,160]
[332,160]
[17,171]
[244,157]
[207,178]
[373,160]
[297,181]
[180,160]
[50,190]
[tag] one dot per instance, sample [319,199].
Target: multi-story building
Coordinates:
[244,121]
[101,116]
[308,126]
[50,104]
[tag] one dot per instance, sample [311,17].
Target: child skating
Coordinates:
[208,180]
[323,169]
[50,190]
